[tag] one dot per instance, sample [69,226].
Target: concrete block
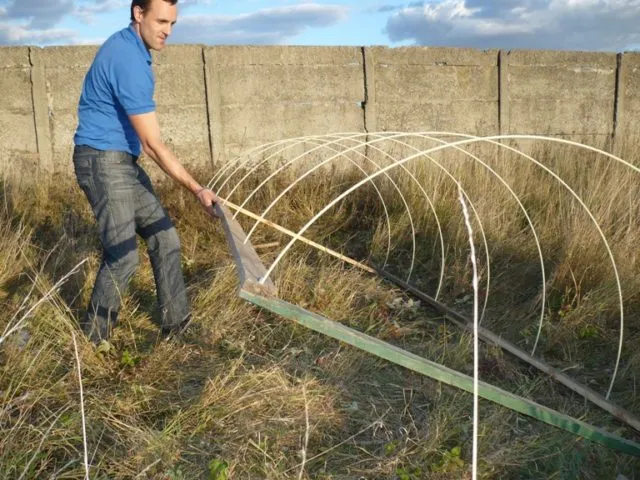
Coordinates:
[425,84]
[470,117]
[551,57]
[276,55]
[441,56]
[15,85]
[296,84]
[14,57]
[187,88]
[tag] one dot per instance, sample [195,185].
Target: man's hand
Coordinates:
[208,199]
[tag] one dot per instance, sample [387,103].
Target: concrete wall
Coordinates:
[214,102]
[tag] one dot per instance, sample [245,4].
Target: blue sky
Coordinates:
[607,25]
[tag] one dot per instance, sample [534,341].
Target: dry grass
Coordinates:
[244,393]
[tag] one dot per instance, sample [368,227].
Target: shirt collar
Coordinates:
[140,43]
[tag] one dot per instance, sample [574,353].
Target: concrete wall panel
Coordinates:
[181,101]
[18,141]
[561,93]
[423,88]
[63,70]
[629,99]
[263,94]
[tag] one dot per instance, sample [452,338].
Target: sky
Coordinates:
[602,25]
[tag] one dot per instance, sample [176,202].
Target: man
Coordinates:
[116,115]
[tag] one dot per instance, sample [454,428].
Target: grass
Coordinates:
[244,393]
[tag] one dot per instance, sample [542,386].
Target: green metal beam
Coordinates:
[439,372]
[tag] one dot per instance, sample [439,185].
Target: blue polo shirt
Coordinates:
[119,83]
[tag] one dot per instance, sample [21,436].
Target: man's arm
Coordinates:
[148,129]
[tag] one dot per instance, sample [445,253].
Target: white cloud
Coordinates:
[267,26]
[553,24]
[86,12]
[20,35]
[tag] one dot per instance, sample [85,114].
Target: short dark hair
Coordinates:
[144,4]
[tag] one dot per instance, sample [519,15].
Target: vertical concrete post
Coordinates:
[214,104]
[41,112]
[370,115]
[503,92]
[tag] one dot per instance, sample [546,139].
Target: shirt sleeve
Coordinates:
[133,86]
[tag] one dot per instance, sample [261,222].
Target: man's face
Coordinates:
[154,25]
